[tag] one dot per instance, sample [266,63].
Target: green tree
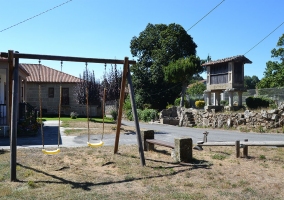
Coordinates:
[274,71]
[155,48]
[181,71]
[250,82]
[196,89]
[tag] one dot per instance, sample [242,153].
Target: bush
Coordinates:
[73,115]
[145,115]
[200,104]
[148,115]
[113,113]
[147,106]
[224,103]
[177,102]
[169,106]
[250,102]
[256,102]
[129,115]
[127,104]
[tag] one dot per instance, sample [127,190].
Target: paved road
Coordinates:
[163,132]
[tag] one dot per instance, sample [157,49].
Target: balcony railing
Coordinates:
[3,115]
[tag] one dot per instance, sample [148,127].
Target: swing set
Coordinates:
[13,61]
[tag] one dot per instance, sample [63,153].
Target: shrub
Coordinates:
[145,115]
[200,104]
[177,102]
[129,115]
[113,113]
[169,106]
[147,106]
[224,102]
[249,102]
[256,102]
[127,104]
[73,115]
[148,115]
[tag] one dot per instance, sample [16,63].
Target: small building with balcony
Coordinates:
[225,75]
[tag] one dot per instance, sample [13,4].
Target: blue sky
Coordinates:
[104,28]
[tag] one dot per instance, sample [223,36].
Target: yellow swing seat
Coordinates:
[51,152]
[101,143]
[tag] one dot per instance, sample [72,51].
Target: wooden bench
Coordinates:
[158,142]
[181,148]
[245,144]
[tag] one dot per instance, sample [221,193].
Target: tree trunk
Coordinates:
[182,95]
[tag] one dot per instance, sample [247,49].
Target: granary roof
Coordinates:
[239,58]
[3,59]
[47,74]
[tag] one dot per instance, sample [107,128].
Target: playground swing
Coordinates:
[101,143]
[50,152]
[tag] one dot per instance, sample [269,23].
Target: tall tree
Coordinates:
[155,48]
[88,84]
[112,82]
[196,88]
[251,82]
[181,71]
[274,71]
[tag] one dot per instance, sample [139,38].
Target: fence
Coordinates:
[276,94]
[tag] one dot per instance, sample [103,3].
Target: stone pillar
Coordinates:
[231,102]
[240,99]
[208,98]
[222,96]
[149,134]
[183,150]
[217,98]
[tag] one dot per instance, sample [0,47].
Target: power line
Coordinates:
[36,16]
[205,15]
[264,38]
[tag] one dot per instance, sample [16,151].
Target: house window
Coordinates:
[51,92]
[65,97]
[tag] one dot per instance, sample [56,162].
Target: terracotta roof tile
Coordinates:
[47,74]
[239,58]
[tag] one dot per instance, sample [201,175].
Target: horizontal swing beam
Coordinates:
[66,58]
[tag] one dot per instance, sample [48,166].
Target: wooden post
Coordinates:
[237,145]
[245,150]
[14,120]
[10,79]
[135,116]
[121,101]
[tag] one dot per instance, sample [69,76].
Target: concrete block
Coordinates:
[149,134]
[183,150]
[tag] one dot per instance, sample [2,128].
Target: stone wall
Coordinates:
[251,119]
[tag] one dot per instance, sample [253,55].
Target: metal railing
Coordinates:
[3,115]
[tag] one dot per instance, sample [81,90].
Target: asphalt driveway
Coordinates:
[162,132]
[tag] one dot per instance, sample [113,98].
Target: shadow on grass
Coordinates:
[195,163]
[87,185]
[107,121]
[2,151]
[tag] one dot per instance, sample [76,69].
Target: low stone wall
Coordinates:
[251,119]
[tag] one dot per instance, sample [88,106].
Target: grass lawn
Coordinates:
[86,173]
[97,173]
